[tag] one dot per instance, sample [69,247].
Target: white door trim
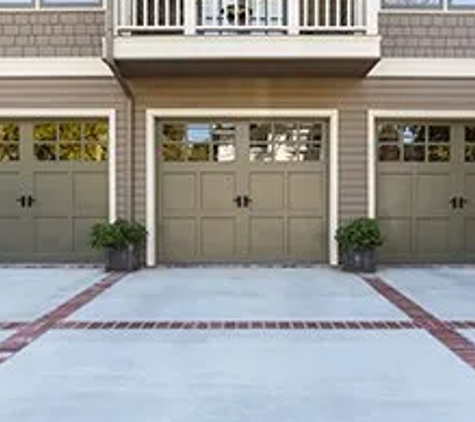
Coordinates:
[373,115]
[333,183]
[19,113]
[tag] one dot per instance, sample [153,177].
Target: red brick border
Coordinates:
[444,332]
[235,325]
[12,325]
[30,332]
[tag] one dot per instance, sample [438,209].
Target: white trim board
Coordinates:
[373,115]
[333,182]
[19,113]
[423,68]
[53,67]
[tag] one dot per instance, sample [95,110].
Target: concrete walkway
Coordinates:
[237,344]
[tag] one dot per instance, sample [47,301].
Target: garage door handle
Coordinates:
[246,201]
[462,202]
[454,202]
[238,201]
[31,201]
[22,201]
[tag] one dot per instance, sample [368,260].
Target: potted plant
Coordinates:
[122,242]
[358,240]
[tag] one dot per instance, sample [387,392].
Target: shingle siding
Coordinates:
[51,33]
[427,35]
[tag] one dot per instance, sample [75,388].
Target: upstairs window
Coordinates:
[429,4]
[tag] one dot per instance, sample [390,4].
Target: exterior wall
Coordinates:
[51,33]
[427,34]
[80,93]
[353,97]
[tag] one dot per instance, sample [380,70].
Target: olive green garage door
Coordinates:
[53,187]
[426,191]
[235,191]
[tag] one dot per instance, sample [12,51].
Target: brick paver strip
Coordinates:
[30,332]
[234,325]
[443,331]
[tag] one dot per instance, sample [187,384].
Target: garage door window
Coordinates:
[285,142]
[9,142]
[198,142]
[413,143]
[470,144]
[71,140]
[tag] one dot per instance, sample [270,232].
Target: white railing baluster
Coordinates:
[190,16]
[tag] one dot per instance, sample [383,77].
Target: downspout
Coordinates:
[108,59]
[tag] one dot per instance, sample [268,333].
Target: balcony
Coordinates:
[246,37]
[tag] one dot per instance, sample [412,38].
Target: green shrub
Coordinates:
[359,234]
[117,235]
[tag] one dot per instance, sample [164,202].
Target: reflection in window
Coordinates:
[195,142]
[413,143]
[285,142]
[9,141]
[75,140]
[470,144]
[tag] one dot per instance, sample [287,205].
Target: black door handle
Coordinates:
[30,201]
[238,201]
[22,201]
[246,201]
[462,202]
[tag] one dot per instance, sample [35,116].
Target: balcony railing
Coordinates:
[251,17]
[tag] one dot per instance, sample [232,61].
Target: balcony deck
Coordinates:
[321,37]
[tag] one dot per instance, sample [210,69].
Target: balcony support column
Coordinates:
[372,13]
[293,16]
[190,14]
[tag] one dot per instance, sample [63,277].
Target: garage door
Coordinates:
[426,191]
[53,187]
[235,191]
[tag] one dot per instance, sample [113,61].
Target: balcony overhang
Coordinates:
[242,55]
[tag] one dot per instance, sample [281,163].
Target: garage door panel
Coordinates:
[52,236]
[11,236]
[178,237]
[306,192]
[267,238]
[433,192]
[81,236]
[469,192]
[306,238]
[394,195]
[218,189]
[53,194]
[267,190]
[432,237]
[218,238]
[399,232]
[179,191]
[10,191]
[90,194]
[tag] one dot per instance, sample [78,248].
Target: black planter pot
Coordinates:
[124,259]
[364,261]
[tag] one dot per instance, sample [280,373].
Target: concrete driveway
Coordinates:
[237,344]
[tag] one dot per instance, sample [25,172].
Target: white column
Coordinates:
[372,13]
[293,15]
[190,16]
